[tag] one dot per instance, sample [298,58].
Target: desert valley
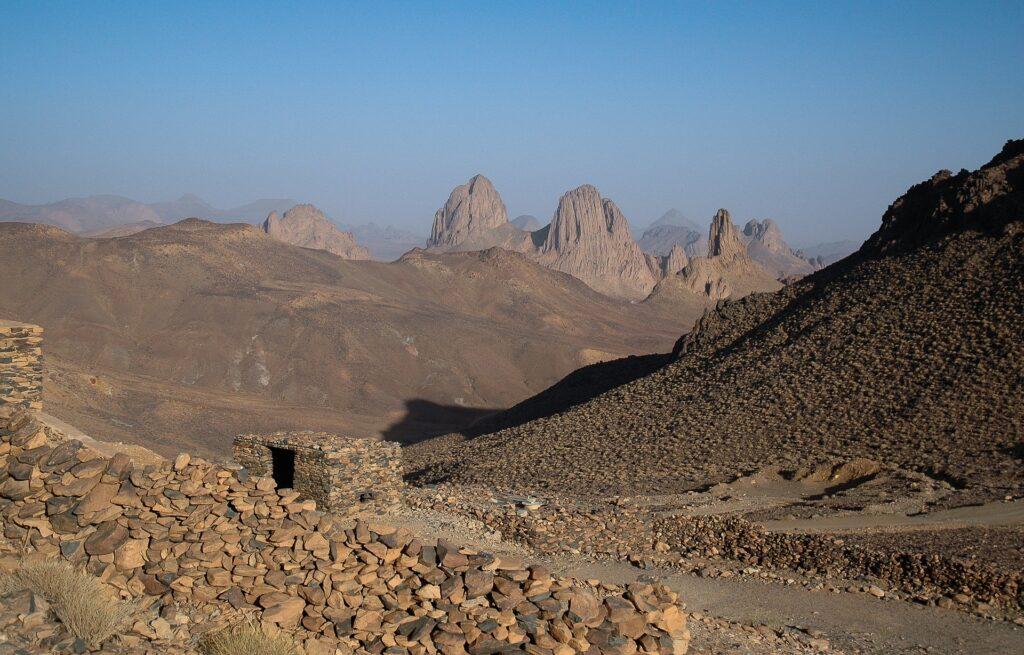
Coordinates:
[747,379]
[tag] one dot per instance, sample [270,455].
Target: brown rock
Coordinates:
[107,538]
[286,612]
[306,226]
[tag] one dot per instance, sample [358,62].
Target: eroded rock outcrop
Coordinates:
[724,239]
[727,270]
[473,211]
[306,226]
[675,261]
[589,239]
[766,246]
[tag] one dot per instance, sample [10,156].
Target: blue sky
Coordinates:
[815,114]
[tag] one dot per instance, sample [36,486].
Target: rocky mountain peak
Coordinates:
[589,238]
[472,208]
[724,238]
[675,218]
[767,232]
[306,226]
[582,215]
[526,222]
[675,261]
[986,199]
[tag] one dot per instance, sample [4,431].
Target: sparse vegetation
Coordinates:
[246,639]
[87,607]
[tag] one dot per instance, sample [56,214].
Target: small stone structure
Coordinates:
[216,548]
[337,472]
[21,365]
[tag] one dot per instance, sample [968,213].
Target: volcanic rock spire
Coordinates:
[472,209]
[589,238]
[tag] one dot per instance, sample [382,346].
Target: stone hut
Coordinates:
[337,472]
[21,365]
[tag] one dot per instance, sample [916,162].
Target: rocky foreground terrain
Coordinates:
[907,353]
[183,550]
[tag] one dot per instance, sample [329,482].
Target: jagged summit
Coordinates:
[589,238]
[908,353]
[987,199]
[727,271]
[766,246]
[724,239]
[306,226]
[472,209]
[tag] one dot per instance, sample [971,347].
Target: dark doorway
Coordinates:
[284,467]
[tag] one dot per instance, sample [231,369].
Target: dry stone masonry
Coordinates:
[637,533]
[339,473]
[195,540]
[21,365]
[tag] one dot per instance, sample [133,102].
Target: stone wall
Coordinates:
[194,535]
[339,473]
[21,365]
[629,531]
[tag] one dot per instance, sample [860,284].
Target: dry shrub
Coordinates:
[246,639]
[87,607]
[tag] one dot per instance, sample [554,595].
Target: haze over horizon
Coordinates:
[375,113]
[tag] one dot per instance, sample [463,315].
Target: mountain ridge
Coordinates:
[189,333]
[906,352]
[589,238]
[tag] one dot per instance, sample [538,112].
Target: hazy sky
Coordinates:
[816,114]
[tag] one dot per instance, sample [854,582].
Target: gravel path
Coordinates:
[852,622]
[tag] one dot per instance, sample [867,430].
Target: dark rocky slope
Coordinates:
[908,352]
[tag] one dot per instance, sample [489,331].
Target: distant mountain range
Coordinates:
[829,252]
[589,238]
[474,219]
[191,206]
[182,335]
[386,243]
[109,215]
[90,214]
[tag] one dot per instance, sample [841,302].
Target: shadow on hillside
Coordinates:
[578,387]
[574,389]
[424,419]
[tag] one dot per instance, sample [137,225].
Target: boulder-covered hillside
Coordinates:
[908,352]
